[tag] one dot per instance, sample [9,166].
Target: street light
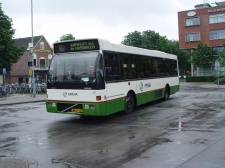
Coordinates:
[192,67]
[32,52]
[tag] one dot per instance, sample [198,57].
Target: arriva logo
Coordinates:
[146,85]
[141,86]
[65,94]
[72,94]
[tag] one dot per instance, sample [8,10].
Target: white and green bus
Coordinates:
[94,77]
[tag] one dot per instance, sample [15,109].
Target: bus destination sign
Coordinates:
[76,46]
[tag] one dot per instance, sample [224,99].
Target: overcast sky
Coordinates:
[107,19]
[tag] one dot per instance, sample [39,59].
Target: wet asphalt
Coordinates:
[186,131]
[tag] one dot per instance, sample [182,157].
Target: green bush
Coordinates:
[221,80]
[200,79]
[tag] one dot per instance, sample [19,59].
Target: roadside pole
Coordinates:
[192,68]
[217,68]
[32,52]
[4,72]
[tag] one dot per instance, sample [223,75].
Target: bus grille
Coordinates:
[64,107]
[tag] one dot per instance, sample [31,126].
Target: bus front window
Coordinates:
[74,67]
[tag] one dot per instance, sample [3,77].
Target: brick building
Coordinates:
[205,23]
[42,58]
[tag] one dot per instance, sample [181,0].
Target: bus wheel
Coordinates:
[129,104]
[166,93]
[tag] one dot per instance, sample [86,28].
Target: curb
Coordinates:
[14,162]
[11,103]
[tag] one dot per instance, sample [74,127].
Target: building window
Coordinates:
[42,46]
[217,18]
[42,62]
[218,49]
[192,21]
[192,37]
[20,80]
[217,34]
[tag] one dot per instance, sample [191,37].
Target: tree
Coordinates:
[133,39]
[203,56]
[221,58]
[9,53]
[184,56]
[67,37]
[151,40]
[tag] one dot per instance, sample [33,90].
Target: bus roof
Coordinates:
[108,46]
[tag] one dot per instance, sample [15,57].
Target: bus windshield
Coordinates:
[73,67]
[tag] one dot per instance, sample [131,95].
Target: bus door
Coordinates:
[100,73]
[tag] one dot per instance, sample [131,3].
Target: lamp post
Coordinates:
[192,68]
[32,52]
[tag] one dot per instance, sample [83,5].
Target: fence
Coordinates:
[209,72]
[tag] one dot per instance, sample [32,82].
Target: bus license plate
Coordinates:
[77,110]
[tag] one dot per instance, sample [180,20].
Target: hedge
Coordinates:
[199,79]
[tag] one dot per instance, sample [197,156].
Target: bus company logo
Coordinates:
[72,94]
[148,85]
[65,94]
[141,86]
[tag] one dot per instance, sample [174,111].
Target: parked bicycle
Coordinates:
[3,91]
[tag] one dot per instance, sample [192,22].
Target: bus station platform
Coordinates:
[22,98]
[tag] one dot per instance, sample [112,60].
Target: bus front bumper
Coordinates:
[86,109]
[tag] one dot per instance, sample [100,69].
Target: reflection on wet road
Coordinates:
[188,130]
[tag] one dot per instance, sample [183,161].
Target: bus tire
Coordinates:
[129,103]
[166,93]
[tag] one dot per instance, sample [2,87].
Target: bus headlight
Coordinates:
[53,104]
[86,106]
[92,106]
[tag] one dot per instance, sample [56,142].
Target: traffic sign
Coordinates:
[4,71]
[30,72]
[217,65]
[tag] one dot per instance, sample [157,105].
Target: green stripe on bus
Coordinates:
[112,106]
[101,109]
[174,89]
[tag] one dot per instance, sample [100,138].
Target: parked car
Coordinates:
[182,76]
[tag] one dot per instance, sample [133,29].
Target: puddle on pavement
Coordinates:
[29,139]
[193,120]
[17,107]
[57,162]
[8,142]
[8,147]
[200,141]
[10,125]
[3,114]
[180,126]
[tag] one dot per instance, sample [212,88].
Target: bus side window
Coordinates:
[128,66]
[111,67]
[108,71]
